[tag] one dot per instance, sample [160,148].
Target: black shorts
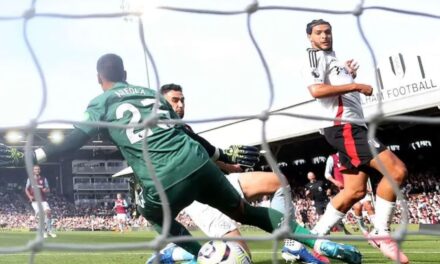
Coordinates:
[351,141]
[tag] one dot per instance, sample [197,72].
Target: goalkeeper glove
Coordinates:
[10,156]
[246,156]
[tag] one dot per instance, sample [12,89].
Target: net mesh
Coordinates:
[134,14]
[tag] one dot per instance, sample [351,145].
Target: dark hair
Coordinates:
[111,67]
[170,87]
[316,22]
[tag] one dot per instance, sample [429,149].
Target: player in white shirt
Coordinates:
[331,82]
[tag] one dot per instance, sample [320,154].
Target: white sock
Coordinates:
[384,214]
[328,220]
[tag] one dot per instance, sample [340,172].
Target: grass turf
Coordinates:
[420,249]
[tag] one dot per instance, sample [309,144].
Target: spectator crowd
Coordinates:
[421,192]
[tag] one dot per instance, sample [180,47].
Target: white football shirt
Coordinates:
[323,67]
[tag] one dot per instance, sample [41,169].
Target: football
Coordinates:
[217,251]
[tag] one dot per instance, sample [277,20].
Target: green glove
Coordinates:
[246,156]
[10,157]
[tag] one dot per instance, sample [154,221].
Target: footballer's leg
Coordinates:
[47,220]
[385,196]
[257,183]
[252,186]
[49,227]
[371,212]
[37,216]
[218,192]
[354,190]
[354,156]
[358,208]
[179,196]
[216,224]
[386,202]
[212,222]
[185,251]
[357,211]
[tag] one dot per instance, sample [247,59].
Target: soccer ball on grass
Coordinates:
[217,251]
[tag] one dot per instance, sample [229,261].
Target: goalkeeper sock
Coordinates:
[269,219]
[278,203]
[178,229]
[180,254]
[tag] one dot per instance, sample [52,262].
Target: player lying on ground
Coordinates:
[251,186]
[182,166]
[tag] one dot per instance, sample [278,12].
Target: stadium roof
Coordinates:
[408,82]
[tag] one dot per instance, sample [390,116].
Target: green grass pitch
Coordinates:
[420,249]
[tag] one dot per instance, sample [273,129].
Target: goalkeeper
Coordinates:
[181,164]
[250,186]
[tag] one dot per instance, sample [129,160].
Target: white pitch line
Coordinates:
[142,253]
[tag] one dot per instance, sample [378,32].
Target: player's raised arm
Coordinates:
[325,90]
[12,157]
[73,141]
[316,72]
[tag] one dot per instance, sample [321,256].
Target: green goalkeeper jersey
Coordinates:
[173,153]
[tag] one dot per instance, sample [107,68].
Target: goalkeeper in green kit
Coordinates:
[182,160]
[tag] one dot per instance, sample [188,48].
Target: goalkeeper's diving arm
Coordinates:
[76,139]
